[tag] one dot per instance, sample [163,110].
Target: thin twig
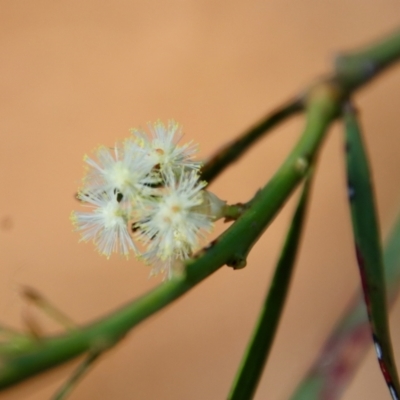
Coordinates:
[37,299]
[232,151]
[76,377]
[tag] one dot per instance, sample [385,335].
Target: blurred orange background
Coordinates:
[75,74]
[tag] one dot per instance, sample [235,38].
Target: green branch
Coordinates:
[257,352]
[356,68]
[232,151]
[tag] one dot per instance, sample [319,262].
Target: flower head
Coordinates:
[127,171]
[163,150]
[172,224]
[153,181]
[106,223]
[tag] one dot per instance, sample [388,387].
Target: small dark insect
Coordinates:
[120,196]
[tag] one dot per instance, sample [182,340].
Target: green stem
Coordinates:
[232,151]
[357,68]
[257,352]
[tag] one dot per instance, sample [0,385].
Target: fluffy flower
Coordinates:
[151,180]
[163,150]
[106,223]
[173,224]
[128,171]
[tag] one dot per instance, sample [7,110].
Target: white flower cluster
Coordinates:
[145,196]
